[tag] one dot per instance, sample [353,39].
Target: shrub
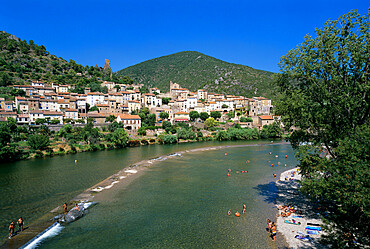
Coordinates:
[169,139]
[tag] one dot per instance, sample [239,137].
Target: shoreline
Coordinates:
[288,194]
[100,191]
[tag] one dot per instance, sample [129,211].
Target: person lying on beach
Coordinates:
[285,214]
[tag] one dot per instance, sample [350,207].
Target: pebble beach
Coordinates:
[288,194]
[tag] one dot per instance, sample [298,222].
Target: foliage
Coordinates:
[237,134]
[203,116]
[194,70]
[146,118]
[245,119]
[165,101]
[110,119]
[142,131]
[193,115]
[166,124]
[216,115]
[186,134]
[210,122]
[224,106]
[230,115]
[164,115]
[324,82]
[38,141]
[94,108]
[169,139]
[324,86]
[119,138]
[271,131]
[115,125]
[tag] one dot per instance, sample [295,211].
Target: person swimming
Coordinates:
[244,208]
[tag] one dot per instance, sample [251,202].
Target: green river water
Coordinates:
[178,203]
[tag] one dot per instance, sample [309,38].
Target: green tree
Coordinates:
[271,131]
[193,115]
[210,122]
[203,116]
[164,115]
[165,101]
[166,124]
[324,85]
[169,139]
[216,115]
[119,138]
[94,108]
[38,141]
[110,119]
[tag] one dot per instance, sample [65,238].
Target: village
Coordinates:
[57,105]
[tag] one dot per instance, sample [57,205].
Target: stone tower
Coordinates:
[107,69]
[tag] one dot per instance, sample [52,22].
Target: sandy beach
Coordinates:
[288,194]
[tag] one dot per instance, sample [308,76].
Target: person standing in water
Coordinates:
[244,208]
[11,229]
[20,223]
[273,231]
[65,208]
[229,212]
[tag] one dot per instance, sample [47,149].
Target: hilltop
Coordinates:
[195,70]
[22,62]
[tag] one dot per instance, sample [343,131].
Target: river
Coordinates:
[178,203]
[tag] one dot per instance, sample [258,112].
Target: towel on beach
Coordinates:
[313,228]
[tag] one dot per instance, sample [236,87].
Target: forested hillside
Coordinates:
[195,70]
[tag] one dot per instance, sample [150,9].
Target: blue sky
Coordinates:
[127,32]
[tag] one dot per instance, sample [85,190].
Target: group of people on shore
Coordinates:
[20,223]
[271,228]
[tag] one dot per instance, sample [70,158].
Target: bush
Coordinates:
[169,139]
[38,142]
[152,140]
[142,131]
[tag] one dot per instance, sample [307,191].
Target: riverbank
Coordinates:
[288,194]
[103,189]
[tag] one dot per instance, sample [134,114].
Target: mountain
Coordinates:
[194,70]
[22,62]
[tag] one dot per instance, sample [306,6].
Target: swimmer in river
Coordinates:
[286,156]
[228,174]
[274,175]
[65,208]
[244,208]
[279,163]
[20,223]
[285,165]
[270,153]
[229,212]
